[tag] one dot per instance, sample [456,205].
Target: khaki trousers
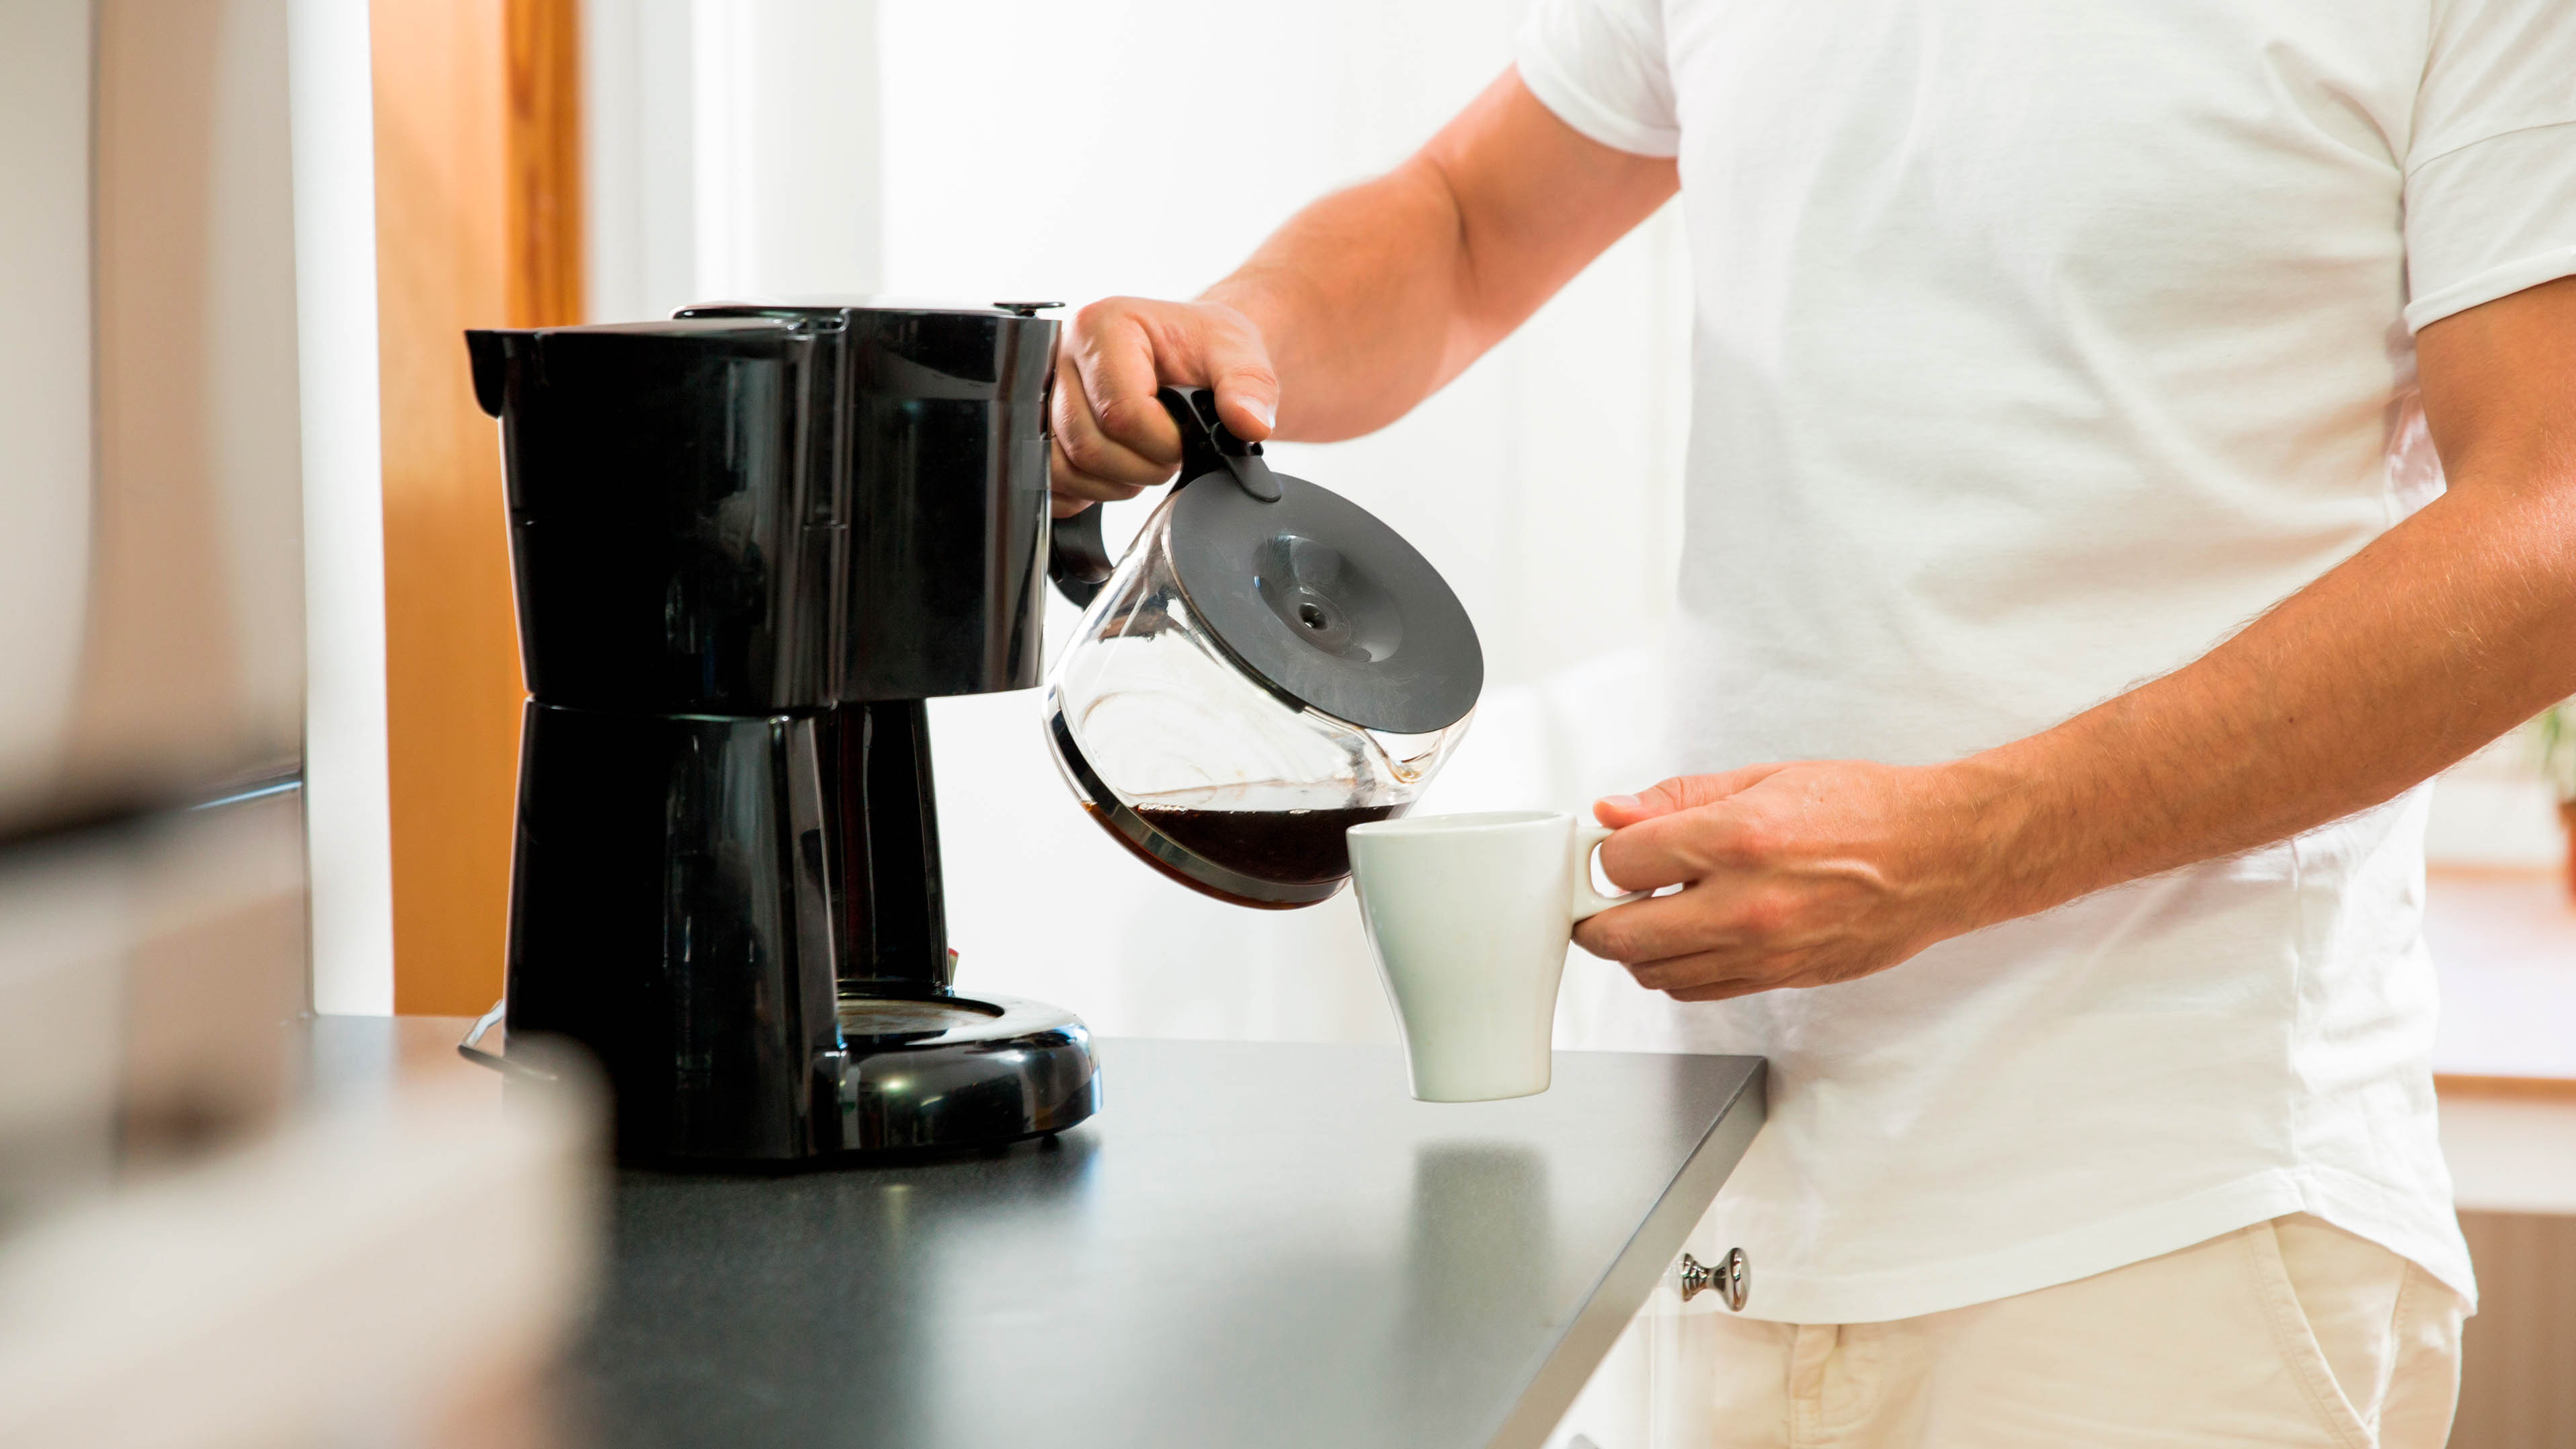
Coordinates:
[2287,1333]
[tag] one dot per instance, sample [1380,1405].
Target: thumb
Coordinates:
[1231,358]
[1247,396]
[1682,792]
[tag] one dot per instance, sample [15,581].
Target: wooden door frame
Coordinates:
[478,223]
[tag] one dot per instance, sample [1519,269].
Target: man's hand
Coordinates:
[1792,875]
[1112,438]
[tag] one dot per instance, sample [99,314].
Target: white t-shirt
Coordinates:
[2038,346]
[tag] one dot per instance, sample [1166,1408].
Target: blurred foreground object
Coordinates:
[155,964]
[396,1272]
[206,1239]
[196,1248]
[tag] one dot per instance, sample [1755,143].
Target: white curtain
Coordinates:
[730,150]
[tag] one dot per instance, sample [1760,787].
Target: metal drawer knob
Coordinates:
[1732,1278]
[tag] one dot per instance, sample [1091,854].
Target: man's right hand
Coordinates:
[1112,437]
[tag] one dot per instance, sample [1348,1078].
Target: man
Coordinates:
[2069,606]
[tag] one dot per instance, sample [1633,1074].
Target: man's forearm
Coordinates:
[2447,631]
[1359,300]
[1360,307]
[1373,298]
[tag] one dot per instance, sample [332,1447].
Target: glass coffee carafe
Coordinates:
[1267,666]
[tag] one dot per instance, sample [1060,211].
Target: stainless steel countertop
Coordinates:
[1252,1245]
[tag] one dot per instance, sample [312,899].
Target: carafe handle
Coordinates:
[1078,560]
[1209,446]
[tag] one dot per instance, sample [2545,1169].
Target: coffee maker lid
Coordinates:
[827,302]
[1312,593]
[491,349]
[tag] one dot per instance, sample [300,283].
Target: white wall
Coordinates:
[44,378]
[347,818]
[2494,811]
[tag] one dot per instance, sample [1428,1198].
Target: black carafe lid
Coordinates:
[1311,593]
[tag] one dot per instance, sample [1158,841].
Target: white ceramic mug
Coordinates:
[1469,916]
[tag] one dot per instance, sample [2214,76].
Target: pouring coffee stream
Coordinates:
[1267,665]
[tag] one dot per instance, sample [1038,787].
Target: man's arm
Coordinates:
[2445,632]
[1364,304]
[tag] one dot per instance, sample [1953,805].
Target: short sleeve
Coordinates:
[1599,65]
[2491,164]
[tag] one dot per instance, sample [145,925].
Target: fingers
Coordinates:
[1211,345]
[1090,463]
[1722,991]
[1718,975]
[1112,435]
[1700,917]
[1075,490]
[1721,973]
[1247,391]
[1685,792]
[1662,850]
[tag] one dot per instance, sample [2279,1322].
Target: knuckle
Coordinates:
[1765,917]
[1085,449]
[1070,482]
[1254,375]
[1746,842]
[1099,315]
[1682,792]
[1128,419]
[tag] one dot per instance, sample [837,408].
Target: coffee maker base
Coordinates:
[915,1075]
[947,1072]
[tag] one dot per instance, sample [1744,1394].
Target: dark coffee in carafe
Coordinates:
[1283,845]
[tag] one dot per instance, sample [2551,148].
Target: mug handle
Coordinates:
[1587,901]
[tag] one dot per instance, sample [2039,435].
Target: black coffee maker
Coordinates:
[748,543]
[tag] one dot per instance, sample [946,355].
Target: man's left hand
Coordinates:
[1792,875]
